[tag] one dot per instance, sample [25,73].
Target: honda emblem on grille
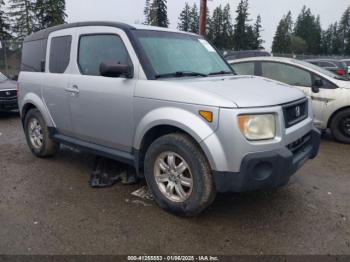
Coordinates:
[297,111]
[8,93]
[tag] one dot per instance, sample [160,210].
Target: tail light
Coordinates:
[340,72]
[17,93]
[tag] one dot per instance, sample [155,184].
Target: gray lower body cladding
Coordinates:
[260,170]
[270,169]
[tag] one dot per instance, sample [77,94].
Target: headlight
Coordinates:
[257,127]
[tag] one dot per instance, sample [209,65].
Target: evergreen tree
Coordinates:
[326,41]
[220,28]
[50,13]
[336,40]
[5,26]
[158,14]
[249,38]
[344,32]
[215,27]
[298,45]
[23,16]
[146,12]
[308,28]
[227,28]
[282,40]
[240,26]
[257,40]
[185,19]
[194,19]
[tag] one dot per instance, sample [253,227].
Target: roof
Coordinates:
[43,34]
[322,60]
[264,58]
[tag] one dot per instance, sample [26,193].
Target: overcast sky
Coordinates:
[271,11]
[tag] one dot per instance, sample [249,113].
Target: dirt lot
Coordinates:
[47,207]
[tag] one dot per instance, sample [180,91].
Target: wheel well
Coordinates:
[25,110]
[155,133]
[335,113]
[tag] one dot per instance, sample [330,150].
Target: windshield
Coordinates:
[177,55]
[321,70]
[2,77]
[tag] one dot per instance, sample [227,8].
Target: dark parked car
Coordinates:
[8,94]
[333,65]
[231,55]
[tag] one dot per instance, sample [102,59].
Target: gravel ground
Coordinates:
[47,207]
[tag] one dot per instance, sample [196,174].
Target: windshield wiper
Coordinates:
[180,74]
[221,73]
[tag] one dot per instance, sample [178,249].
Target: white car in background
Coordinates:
[329,92]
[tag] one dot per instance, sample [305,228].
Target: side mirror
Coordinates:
[108,69]
[316,86]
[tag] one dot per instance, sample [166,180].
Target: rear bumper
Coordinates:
[8,105]
[269,169]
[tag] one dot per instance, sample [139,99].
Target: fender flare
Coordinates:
[188,122]
[37,102]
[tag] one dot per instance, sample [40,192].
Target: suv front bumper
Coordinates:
[269,169]
[8,105]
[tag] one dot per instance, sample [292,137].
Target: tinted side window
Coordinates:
[95,49]
[244,68]
[326,64]
[60,54]
[287,74]
[314,63]
[33,56]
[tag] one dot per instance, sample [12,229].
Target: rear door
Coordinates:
[57,70]
[102,107]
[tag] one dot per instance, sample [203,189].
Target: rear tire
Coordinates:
[37,135]
[340,126]
[178,175]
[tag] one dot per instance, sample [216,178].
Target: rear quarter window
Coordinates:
[60,54]
[33,56]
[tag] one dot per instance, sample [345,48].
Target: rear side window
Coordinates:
[33,56]
[244,68]
[287,74]
[327,64]
[60,54]
[95,49]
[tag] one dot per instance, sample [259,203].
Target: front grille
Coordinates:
[299,144]
[8,94]
[295,112]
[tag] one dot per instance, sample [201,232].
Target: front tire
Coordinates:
[340,126]
[37,135]
[178,175]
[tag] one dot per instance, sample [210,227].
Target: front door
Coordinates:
[102,107]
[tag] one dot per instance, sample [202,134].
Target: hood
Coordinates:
[8,84]
[228,91]
[247,91]
[343,84]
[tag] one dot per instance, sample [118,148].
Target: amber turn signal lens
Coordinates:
[207,115]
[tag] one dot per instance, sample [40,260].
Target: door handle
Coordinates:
[74,89]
